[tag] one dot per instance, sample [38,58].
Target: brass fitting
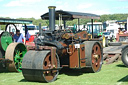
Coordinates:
[96,56]
[51,7]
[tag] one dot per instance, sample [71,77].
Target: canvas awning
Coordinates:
[14,21]
[121,21]
[67,15]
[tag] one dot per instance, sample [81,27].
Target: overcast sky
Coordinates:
[35,8]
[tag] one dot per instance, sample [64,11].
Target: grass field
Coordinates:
[113,74]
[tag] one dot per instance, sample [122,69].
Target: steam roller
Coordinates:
[11,54]
[56,49]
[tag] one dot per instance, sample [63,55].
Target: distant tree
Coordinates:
[103,18]
[2,27]
[113,17]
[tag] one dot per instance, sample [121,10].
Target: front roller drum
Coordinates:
[38,66]
[93,55]
[15,53]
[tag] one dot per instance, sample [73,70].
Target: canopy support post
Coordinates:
[78,24]
[92,27]
[64,23]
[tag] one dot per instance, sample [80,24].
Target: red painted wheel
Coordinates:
[94,55]
[48,64]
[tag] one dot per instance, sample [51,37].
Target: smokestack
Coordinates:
[51,18]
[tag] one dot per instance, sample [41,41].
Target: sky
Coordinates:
[35,8]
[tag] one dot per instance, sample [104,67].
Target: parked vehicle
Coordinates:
[109,35]
[111,26]
[97,29]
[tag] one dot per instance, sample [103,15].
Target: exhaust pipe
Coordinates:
[51,18]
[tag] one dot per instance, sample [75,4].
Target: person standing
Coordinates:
[18,37]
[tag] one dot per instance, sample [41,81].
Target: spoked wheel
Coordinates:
[39,66]
[124,56]
[15,53]
[93,53]
[96,57]
[47,64]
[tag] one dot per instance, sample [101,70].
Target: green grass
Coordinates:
[113,74]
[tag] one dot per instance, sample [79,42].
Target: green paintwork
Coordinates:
[100,34]
[14,21]
[19,53]
[6,39]
[74,29]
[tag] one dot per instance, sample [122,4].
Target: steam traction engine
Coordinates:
[11,53]
[61,48]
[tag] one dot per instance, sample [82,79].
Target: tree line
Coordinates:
[75,21]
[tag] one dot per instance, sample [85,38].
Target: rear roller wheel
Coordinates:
[15,53]
[93,53]
[36,60]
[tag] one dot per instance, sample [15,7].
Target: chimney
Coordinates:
[51,18]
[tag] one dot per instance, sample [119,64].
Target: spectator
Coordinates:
[18,37]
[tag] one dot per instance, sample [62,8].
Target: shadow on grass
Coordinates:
[66,71]
[124,79]
[73,72]
[3,70]
[23,80]
[121,65]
